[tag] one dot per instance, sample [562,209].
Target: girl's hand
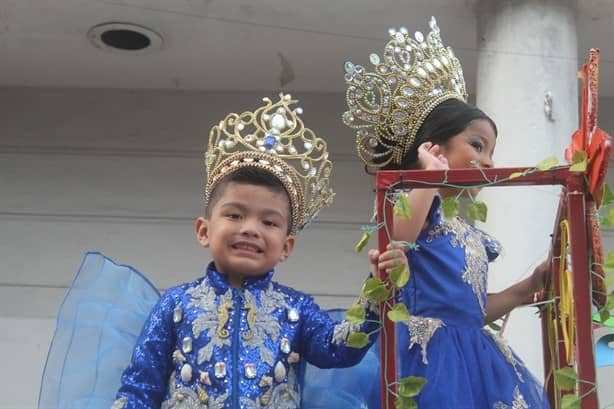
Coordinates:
[430,157]
[389,259]
[540,275]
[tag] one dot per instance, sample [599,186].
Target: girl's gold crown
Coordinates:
[274,138]
[388,106]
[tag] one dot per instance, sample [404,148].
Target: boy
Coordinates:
[234,338]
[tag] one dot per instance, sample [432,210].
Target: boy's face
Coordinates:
[246,231]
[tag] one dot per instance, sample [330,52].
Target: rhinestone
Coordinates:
[293,315]
[419,36]
[382,69]
[289,123]
[429,67]
[349,67]
[305,165]
[372,142]
[392,31]
[421,72]
[279,148]
[279,371]
[437,63]
[269,141]
[402,102]
[278,121]
[407,91]
[285,346]
[294,358]
[392,80]
[415,82]
[251,371]
[186,345]
[374,58]
[259,142]
[292,149]
[299,110]
[186,373]
[348,77]
[204,378]
[403,30]
[399,115]
[399,129]
[433,25]
[312,172]
[249,138]
[177,314]
[266,117]
[347,117]
[262,149]
[399,37]
[397,49]
[363,132]
[240,126]
[444,60]
[220,370]
[307,145]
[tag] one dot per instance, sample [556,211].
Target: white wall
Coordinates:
[121,172]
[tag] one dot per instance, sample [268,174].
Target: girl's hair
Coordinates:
[445,121]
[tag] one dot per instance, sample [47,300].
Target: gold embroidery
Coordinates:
[222,317]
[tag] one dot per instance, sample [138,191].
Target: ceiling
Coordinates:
[242,44]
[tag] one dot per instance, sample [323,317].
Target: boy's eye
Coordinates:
[234,216]
[270,223]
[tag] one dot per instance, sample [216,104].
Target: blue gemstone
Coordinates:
[269,141]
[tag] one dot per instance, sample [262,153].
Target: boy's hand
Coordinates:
[389,259]
[430,157]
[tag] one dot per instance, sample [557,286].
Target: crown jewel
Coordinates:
[388,106]
[274,138]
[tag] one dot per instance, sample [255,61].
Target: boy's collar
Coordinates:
[220,280]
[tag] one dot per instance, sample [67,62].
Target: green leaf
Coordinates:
[547,163]
[402,402]
[411,386]
[399,276]
[565,378]
[450,207]
[402,207]
[477,211]
[608,266]
[398,313]
[355,314]
[375,290]
[364,240]
[570,402]
[494,326]
[516,175]
[608,196]
[608,219]
[604,315]
[579,161]
[358,340]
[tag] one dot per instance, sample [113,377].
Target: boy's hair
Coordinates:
[249,175]
[445,121]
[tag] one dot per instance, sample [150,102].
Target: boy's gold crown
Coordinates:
[388,106]
[274,138]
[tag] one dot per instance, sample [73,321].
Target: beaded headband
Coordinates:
[388,106]
[274,138]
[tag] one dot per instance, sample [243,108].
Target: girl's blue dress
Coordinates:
[466,365]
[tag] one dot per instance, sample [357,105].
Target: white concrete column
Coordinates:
[528,53]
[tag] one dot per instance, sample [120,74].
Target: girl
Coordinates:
[422,121]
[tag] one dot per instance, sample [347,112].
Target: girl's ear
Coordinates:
[202,231]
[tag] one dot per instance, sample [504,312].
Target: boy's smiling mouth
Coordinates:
[247,246]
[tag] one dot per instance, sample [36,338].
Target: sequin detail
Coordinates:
[281,396]
[507,352]
[265,323]
[421,330]
[203,297]
[120,403]
[472,241]
[186,398]
[518,403]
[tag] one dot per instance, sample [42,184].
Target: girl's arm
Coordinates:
[499,304]
[420,200]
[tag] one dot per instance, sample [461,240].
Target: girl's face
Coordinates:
[471,148]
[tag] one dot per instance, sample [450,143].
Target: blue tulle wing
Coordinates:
[97,327]
[357,387]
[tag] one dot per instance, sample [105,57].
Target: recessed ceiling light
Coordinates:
[124,37]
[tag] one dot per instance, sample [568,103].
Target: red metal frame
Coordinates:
[577,189]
